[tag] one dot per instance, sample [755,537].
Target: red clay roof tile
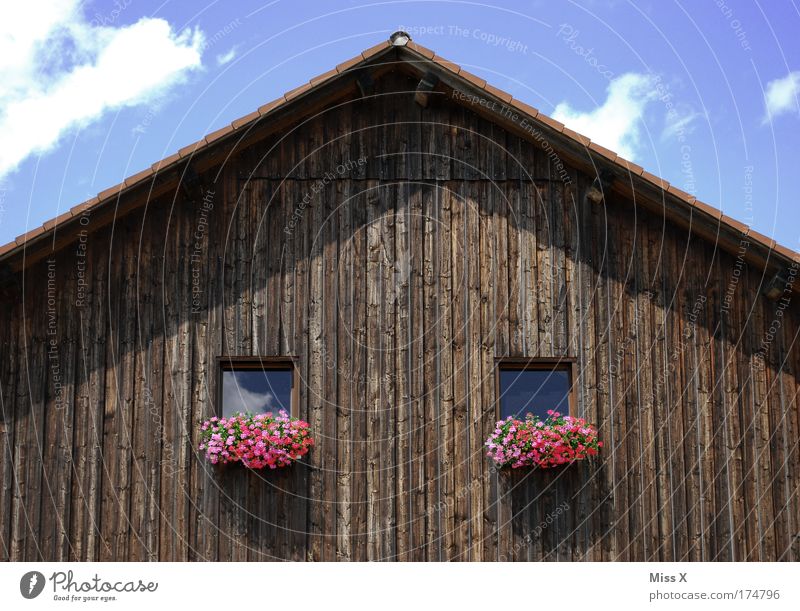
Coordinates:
[710,210]
[26,237]
[167,161]
[681,194]
[498,93]
[349,64]
[220,133]
[190,149]
[111,191]
[786,252]
[241,121]
[297,91]
[734,224]
[601,150]
[61,218]
[420,49]
[634,169]
[8,247]
[526,108]
[576,136]
[446,63]
[374,50]
[132,180]
[320,78]
[761,238]
[270,106]
[659,182]
[475,80]
[83,207]
[556,125]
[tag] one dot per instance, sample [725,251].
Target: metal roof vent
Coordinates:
[400,38]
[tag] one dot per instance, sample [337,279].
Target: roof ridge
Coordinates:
[397,39]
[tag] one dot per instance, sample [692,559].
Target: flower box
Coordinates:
[555,441]
[256,441]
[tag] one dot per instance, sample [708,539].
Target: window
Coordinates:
[256,385]
[534,386]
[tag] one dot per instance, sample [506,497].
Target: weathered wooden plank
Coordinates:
[94,330]
[461,448]
[401,371]
[614,329]
[472,324]
[328,234]
[489,273]
[8,419]
[345,396]
[391,275]
[297,510]
[429,372]
[148,421]
[373,373]
[120,375]
[315,216]
[447,434]
[421,545]
[654,511]
[727,274]
[358,498]
[501,307]
[58,399]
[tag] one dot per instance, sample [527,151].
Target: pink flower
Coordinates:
[255,441]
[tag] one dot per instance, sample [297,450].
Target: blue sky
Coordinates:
[703,93]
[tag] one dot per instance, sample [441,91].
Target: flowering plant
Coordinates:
[257,441]
[557,440]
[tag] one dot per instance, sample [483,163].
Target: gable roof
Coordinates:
[631,179]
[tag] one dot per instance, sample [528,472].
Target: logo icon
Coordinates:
[31,584]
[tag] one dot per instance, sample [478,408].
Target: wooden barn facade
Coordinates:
[401,230]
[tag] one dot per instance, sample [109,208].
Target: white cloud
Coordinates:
[236,398]
[782,96]
[226,58]
[679,123]
[59,71]
[617,122]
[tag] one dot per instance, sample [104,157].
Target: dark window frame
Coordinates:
[563,363]
[258,363]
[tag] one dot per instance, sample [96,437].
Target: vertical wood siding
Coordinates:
[396,281]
